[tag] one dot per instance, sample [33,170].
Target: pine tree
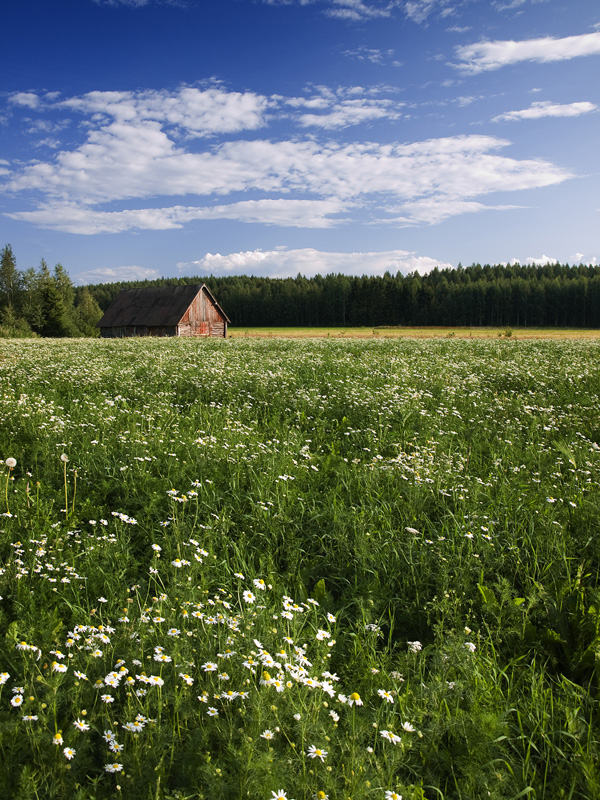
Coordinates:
[10,278]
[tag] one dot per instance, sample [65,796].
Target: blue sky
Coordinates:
[148,138]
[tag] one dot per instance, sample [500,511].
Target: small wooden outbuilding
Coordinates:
[164,311]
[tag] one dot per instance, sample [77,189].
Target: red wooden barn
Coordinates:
[164,311]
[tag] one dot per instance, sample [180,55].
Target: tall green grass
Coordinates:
[387,549]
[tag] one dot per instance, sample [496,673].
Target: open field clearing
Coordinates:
[252,568]
[430,332]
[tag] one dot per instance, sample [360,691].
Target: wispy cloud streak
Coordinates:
[483,56]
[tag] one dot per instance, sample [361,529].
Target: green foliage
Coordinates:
[41,302]
[87,313]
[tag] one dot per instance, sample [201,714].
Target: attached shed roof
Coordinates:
[158,306]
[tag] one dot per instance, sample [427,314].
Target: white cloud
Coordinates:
[483,56]
[352,112]
[545,108]
[344,106]
[373,55]
[197,112]
[134,161]
[539,262]
[81,219]
[353,10]
[419,10]
[432,211]
[359,10]
[284,263]
[583,258]
[111,275]
[26,99]
[133,151]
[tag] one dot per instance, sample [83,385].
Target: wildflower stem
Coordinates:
[66,489]
[74,491]
[6,490]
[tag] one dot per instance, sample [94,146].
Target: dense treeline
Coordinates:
[552,295]
[44,302]
[41,302]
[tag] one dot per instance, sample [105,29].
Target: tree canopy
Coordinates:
[43,302]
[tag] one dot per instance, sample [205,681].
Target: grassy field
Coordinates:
[269,568]
[429,332]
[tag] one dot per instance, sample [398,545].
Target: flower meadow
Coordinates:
[285,570]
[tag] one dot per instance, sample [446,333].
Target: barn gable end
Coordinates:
[164,311]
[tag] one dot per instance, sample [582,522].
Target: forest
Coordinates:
[45,302]
[552,295]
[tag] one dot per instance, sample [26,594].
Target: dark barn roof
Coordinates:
[160,306]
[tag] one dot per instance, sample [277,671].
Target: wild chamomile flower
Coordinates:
[212,712]
[81,725]
[248,596]
[391,737]
[316,752]
[279,795]
[113,767]
[69,753]
[17,701]
[267,734]
[385,695]
[134,727]
[57,739]
[389,795]
[260,584]
[354,699]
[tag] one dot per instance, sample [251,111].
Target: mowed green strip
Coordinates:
[266,568]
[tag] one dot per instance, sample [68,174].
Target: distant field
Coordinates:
[416,333]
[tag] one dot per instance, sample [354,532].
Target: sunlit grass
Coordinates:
[349,569]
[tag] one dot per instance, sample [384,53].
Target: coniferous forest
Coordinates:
[553,295]
[45,302]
